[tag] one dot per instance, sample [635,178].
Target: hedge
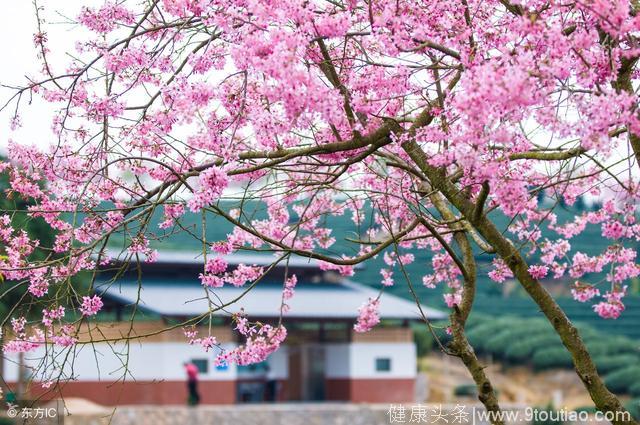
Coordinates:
[466,390]
[551,357]
[606,363]
[621,380]
[633,406]
[523,350]
[498,344]
[634,390]
[424,341]
[517,340]
[478,334]
[608,345]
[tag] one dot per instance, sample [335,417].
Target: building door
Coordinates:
[314,365]
[306,373]
[295,381]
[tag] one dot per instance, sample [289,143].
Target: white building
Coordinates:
[322,358]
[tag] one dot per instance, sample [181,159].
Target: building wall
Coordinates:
[139,392]
[157,375]
[143,361]
[358,360]
[142,373]
[351,372]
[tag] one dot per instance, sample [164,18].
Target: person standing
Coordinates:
[271,382]
[192,383]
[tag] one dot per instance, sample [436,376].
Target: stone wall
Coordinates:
[265,414]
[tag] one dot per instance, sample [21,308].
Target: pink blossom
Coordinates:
[208,342]
[106,18]
[211,281]
[612,307]
[261,341]
[243,274]
[91,305]
[171,212]
[191,333]
[212,182]
[48,316]
[228,109]
[24,344]
[609,310]
[501,272]
[613,230]
[538,271]
[216,265]
[64,337]
[368,316]
[387,277]
[18,324]
[289,287]
[453,299]
[584,292]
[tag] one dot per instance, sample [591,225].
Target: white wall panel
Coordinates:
[144,361]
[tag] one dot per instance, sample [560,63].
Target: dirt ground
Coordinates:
[562,388]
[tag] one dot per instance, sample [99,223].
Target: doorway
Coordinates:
[306,372]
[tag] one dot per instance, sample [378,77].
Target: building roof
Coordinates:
[193,257]
[324,300]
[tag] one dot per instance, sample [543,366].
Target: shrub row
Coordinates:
[622,380]
[610,363]
[533,341]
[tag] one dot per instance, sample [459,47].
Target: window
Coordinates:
[383,364]
[254,369]
[201,364]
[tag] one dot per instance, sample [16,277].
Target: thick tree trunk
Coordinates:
[460,344]
[464,350]
[603,399]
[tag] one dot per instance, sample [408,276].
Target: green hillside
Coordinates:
[490,299]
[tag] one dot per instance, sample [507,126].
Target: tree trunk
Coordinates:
[603,399]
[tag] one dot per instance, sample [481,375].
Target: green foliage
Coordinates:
[498,344]
[634,390]
[607,345]
[519,340]
[551,357]
[589,334]
[480,334]
[620,345]
[424,341]
[606,363]
[16,207]
[621,380]
[36,228]
[633,407]
[465,390]
[522,350]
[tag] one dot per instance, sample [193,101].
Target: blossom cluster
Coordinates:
[260,341]
[280,116]
[368,316]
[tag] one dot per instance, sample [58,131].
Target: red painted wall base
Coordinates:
[149,392]
[220,392]
[370,390]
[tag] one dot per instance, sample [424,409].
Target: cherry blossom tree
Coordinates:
[437,115]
